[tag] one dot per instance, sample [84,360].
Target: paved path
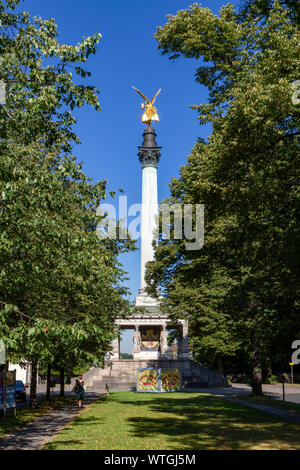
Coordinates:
[35,434]
[292,392]
[268,409]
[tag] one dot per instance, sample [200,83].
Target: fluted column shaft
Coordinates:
[148,219]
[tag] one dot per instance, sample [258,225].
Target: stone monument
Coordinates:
[150,339]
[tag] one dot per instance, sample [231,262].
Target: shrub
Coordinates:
[272,380]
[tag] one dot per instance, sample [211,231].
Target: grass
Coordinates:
[269,401]
[174,421]
[26,415]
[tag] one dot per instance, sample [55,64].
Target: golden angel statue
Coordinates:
[150,113]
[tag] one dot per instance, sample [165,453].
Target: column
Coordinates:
[179,342]
[149,154]
[148,219]
[116,349]
[136,340]
[183,345]
[163,341]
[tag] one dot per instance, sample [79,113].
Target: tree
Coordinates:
[65,281]
[246,176]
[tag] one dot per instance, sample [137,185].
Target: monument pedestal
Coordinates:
[144,300]
[122,374]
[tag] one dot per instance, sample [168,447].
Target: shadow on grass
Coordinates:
[204,422]
[68,444]
[80,421]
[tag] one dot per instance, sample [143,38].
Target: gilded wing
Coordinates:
[141,94]
[155,117]
[153,99]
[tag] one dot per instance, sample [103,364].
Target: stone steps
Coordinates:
[123,372]
[116,379]
[114,385]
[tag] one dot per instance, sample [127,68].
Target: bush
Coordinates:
[272,380]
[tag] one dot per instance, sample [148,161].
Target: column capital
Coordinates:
[149,152]
[149,156]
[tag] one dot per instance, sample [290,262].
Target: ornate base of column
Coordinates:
[144,300]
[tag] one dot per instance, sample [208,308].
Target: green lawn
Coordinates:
[169,421]
[25,415]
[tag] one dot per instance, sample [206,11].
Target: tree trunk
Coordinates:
[257,375]
[62,382]
[48,390]
[220,364]
[33,384]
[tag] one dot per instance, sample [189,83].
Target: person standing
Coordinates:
[79,390]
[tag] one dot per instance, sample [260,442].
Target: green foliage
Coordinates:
[272,380]
[125,356]
[61,286]
[38,70]
[263,7]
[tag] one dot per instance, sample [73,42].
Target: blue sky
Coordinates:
[128,55]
